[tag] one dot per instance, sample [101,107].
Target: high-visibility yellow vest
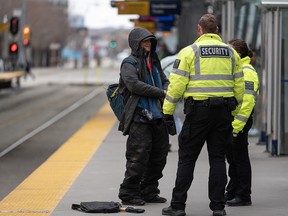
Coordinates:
[207,68]
[249,98]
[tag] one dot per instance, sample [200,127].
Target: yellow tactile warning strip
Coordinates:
[44,188]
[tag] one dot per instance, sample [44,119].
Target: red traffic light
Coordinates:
[13,48]
[25,42]
[14,21]
[14,25]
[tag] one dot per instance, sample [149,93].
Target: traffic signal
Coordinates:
[26,36]
[113,44]
[13,48]
[14,25]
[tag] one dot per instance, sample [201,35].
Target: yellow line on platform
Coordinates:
[11,75]
[40,193]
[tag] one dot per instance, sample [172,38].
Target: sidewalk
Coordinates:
[100,180]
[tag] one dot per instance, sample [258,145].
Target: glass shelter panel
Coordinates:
[284,81]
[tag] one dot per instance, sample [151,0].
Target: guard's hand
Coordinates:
[235,134]
[170,124]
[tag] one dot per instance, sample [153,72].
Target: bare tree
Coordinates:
[48,24]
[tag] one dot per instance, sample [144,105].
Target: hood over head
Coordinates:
[136,36]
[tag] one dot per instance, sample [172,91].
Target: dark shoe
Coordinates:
[173,212]
[238,202]
[228,197]
[219,213]
[157,199]
[134,202]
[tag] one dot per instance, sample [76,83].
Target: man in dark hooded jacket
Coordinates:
[148,141]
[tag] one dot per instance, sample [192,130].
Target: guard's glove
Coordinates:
[237,134]
[170,124]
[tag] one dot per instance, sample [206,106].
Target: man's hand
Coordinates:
[165,92]
[170,124]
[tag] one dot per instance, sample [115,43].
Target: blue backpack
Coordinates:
[115,98]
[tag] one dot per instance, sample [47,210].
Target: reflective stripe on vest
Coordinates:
[241,118]
[209,89]
[198,76]
[251,92]
[246,66]
[180,72]
[172,100]
[209,77]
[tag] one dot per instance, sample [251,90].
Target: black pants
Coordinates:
[239,166]
[146,153]
[212,125]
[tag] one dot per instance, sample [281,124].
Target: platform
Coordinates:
[90,166]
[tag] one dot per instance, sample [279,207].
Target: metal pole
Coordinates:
[223,22]
[269,72]
[21,57]
[5,34]
[230,21]
[277,80]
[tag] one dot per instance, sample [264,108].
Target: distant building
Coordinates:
[63,3]
[76,21]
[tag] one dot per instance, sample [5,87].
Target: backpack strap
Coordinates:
[131,60]
[137,64]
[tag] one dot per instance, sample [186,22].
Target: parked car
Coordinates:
[167,64]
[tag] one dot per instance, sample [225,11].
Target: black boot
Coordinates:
[219,212]
[239,202]
[173,212]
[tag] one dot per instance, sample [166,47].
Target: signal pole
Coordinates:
[5,33]
[22,51]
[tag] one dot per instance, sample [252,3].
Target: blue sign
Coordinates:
[165,7]
[168,18]
[164,28]
[165,23]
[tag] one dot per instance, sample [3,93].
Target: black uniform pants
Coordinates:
[239,170]
[212,125]
[146,153]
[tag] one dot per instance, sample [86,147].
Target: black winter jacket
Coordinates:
[135,80]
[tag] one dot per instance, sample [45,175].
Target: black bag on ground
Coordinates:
[104,207]
[97,207]
[116,100]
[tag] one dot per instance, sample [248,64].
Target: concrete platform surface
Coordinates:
[100,180]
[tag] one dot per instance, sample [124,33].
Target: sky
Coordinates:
[99,14]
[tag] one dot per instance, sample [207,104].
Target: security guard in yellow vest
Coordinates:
[238,190]
[208,75]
